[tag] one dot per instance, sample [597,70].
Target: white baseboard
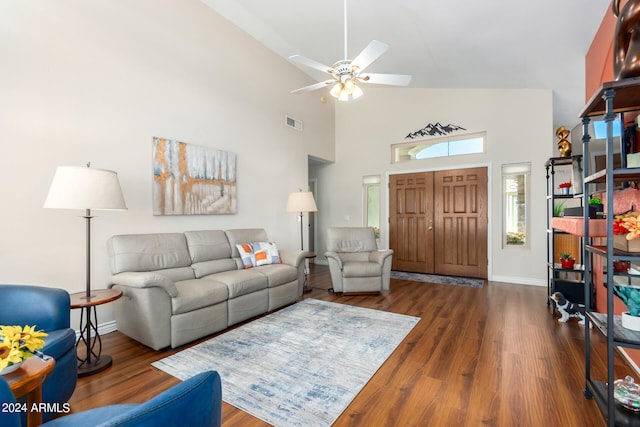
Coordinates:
[103,328]
[519,280]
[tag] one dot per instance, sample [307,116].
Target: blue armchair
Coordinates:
[47,309]
[196,402]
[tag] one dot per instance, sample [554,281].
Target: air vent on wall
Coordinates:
[293,123]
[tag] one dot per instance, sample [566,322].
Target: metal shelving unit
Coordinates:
[612,99]
[573,289]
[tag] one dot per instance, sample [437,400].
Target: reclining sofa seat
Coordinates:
[178,287]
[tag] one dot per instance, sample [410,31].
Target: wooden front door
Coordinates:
[460,204]
[411,221]
[438,222]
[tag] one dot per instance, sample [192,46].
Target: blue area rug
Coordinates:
[300,366]
[441,280]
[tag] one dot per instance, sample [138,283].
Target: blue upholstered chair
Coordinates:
[196,402]
[8,416]
[47,309]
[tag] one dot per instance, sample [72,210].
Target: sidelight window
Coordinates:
[371,192]
[515,201]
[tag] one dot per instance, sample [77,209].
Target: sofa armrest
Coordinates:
[331,255]
[145,279]
[144,311]
[380,256]
[292,257]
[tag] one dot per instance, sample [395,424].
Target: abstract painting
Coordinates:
[192,180]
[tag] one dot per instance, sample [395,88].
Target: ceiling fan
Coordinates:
[346,73]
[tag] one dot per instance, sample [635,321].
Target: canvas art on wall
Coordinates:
[192,180]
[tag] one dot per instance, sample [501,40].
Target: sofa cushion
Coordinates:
[240,282]
[207,245]
[360,269]
[198,293]
[177,274]
[205,268]
[245,235]
[354,256]
[148,252]
[278,274]
[58,342]
[351,239]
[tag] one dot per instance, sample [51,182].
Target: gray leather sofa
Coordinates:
[178,287]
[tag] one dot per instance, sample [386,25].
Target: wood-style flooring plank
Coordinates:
[479,357]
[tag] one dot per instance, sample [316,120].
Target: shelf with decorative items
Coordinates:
[612,259]
[564,194]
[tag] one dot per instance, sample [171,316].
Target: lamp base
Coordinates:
[96,365]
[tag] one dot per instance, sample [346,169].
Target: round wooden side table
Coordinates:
[93,361]
[27,381]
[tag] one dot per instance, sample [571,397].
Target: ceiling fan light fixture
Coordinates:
[349,86]
[348,95]
[336,90]
[357,92]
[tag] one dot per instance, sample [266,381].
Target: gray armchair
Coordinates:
[355,263]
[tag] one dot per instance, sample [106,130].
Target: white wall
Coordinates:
[519,129]
[96,81]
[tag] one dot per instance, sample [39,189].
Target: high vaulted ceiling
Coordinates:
[517,44]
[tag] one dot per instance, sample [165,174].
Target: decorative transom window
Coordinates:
[438,147]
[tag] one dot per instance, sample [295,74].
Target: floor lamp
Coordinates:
[86,188]
[301,202]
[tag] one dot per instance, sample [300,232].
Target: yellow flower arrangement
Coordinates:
[18,344]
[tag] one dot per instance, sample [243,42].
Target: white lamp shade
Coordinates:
[75,187]
[301,201]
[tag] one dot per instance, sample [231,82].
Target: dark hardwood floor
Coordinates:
[493,356]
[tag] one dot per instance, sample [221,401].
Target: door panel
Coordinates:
[460,221]
[411,216]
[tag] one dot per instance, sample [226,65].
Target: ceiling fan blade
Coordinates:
[315,86]
[385,79]
[299,59]
[369,54]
